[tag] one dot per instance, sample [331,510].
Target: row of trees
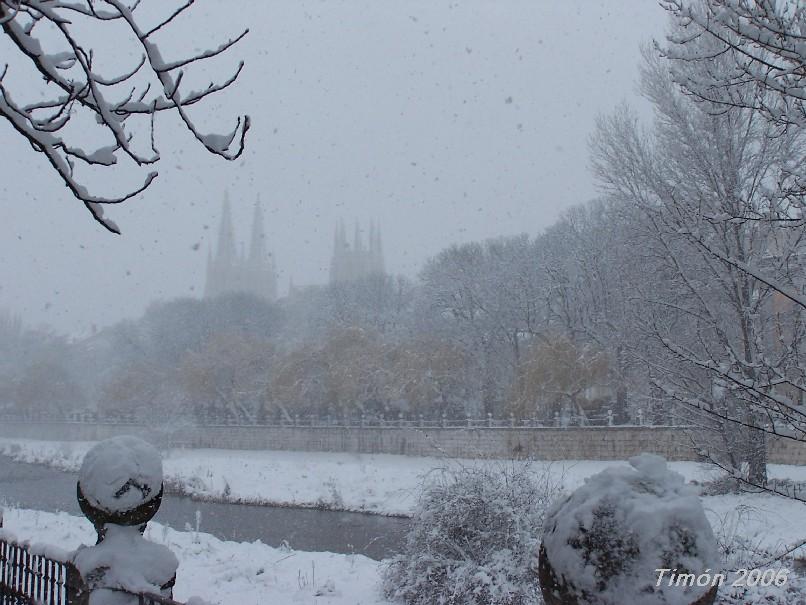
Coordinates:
[379,346]
[683,284]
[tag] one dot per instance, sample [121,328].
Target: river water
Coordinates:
[42,488]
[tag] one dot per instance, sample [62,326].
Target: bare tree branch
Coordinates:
[67,65]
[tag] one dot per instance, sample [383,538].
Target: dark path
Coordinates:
[42,488]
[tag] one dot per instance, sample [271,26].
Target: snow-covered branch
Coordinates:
[764,42]
[50,35]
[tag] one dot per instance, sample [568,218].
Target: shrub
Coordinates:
[606,542]
[473,539]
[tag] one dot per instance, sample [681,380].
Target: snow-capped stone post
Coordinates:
[634,535]
[119,490]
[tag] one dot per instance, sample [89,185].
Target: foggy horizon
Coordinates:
[443,123]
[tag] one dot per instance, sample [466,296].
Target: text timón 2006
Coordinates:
[744,577]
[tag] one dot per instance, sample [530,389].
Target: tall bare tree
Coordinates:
[699,179]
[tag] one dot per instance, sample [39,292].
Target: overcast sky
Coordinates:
[445,121]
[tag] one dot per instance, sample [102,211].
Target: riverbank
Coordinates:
[753,528]
[224,572]
[248,573]
[370,483]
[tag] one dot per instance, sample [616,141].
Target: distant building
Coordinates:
[231,270]
[356,261]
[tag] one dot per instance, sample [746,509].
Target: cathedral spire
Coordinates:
[342,236]
[231,270]
[226,237]
[363,259]
[380,265]
[257,246]
[336,240]
[208,271]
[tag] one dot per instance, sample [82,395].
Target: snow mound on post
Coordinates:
[120,474]
[607,539]
[124,561]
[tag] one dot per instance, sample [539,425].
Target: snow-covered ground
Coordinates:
[753,524]
[228,572]
[379,483]
[253,573]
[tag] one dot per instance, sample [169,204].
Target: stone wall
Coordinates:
[576,443]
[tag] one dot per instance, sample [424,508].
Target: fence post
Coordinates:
[609,417]
[74,588]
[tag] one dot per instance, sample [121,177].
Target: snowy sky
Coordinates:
[446,121]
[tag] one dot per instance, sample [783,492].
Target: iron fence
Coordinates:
[390,420]
[28,578]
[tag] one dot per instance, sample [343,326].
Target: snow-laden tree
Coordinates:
[379,302]
[37,370]
[340,373]
[698,180]
[226,379]
[487,298]
[748,41]
[590,279]
[429,377]
[559,377]
[751,54]
[77,102]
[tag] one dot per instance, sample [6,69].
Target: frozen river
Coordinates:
[42,488]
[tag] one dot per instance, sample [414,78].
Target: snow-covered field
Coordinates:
[226,572]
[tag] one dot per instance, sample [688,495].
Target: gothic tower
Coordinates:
[352,262]
[232,271]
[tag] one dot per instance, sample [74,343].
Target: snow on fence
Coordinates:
[43,575]
[29,578]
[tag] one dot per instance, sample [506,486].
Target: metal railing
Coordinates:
[351,421]
[28,578]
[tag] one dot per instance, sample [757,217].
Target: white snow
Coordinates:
[645,511]
[226,573]
[253,573]
[378,483]
[121,473]
[124,561]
